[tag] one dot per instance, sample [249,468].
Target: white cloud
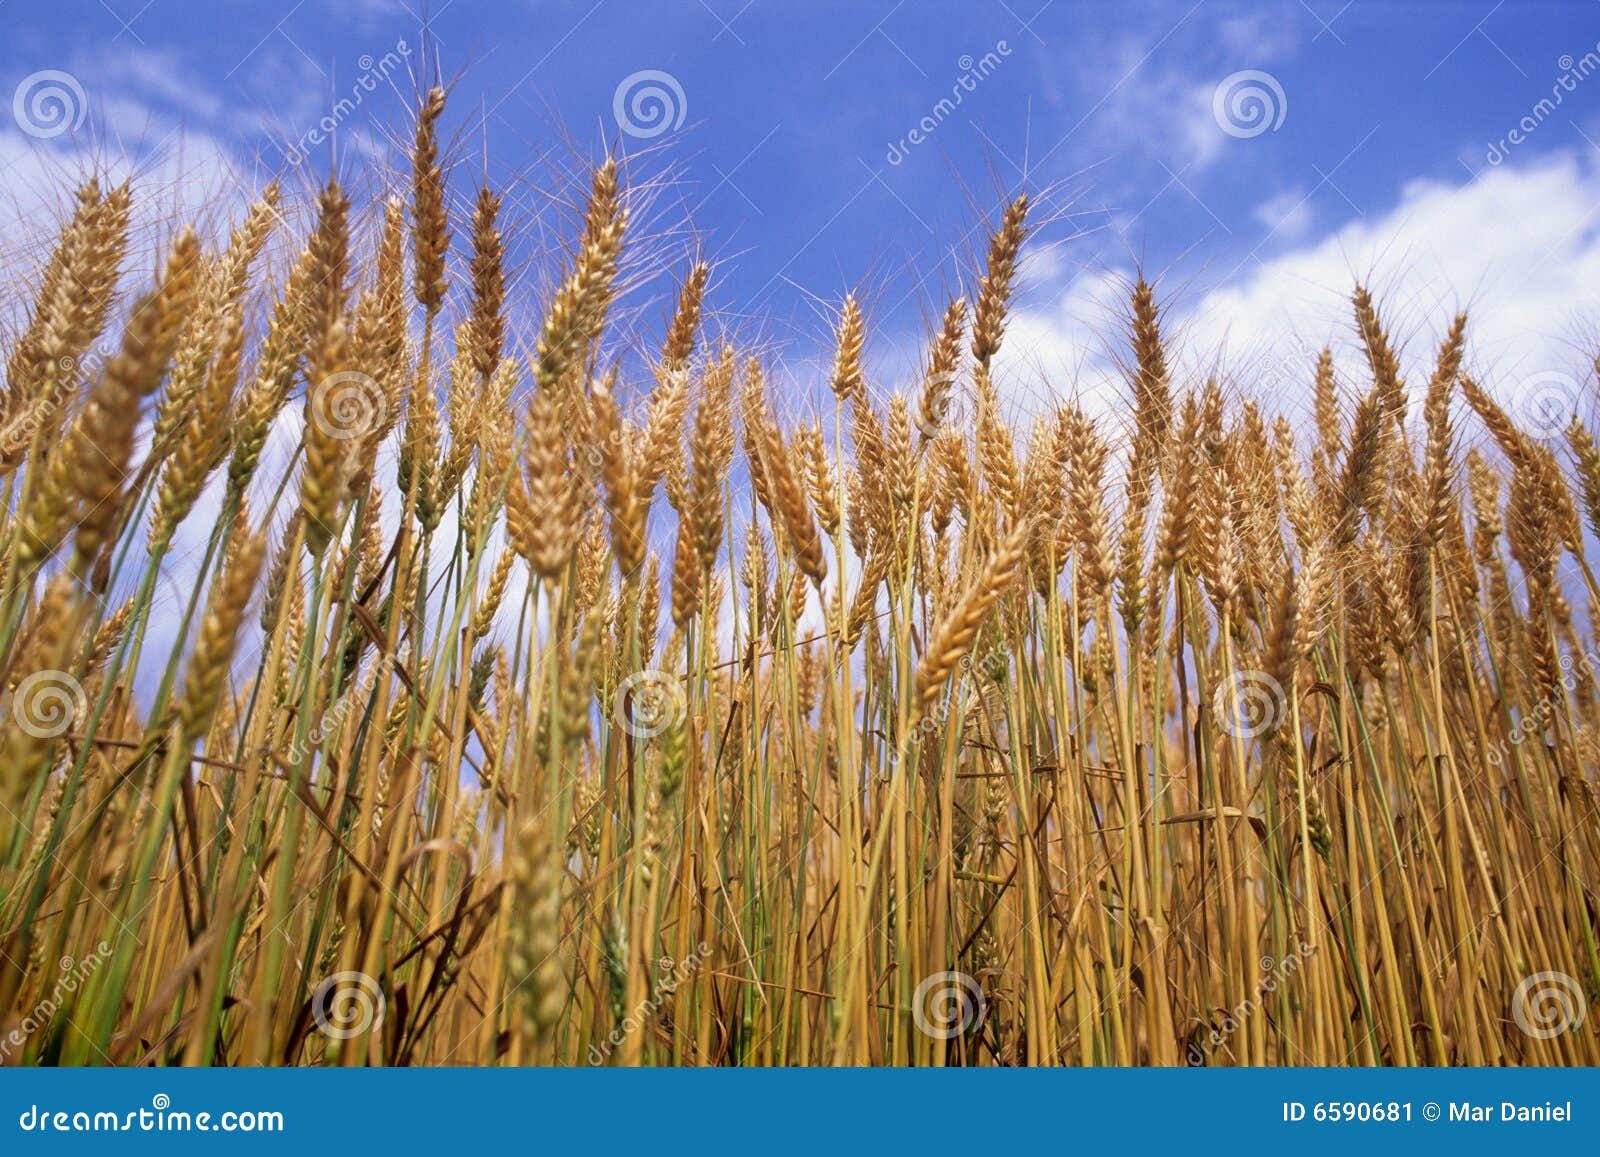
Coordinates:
[1150,93]
[158,76]
[1288,216]
[368,14]
[1518,248]
[134,114]
[1260,36]
[1160,113]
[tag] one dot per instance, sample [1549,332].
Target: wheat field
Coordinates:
[542,705]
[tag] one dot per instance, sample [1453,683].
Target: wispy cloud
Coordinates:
[1149,91]
[1518,248]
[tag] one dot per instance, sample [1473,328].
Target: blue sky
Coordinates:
[1255,159]
[787,143]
